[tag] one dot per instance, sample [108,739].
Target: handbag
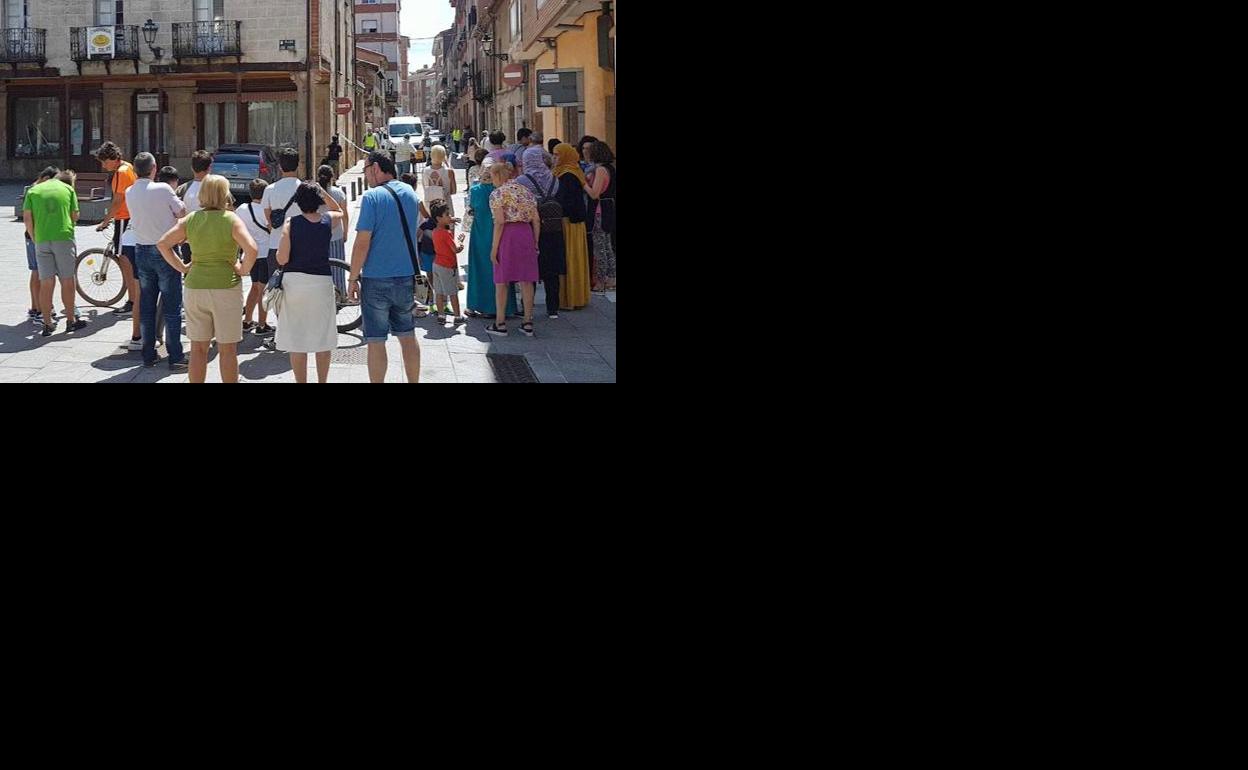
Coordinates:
[274,296]
[422,292]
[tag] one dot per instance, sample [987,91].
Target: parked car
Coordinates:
[241,163]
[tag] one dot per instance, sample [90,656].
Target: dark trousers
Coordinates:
[551,282]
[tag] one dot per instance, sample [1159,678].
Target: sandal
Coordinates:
[474,314]
[527,329]
[496,330]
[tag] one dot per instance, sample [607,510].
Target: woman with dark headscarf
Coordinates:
[574,286]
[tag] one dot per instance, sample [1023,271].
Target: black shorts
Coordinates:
[119,227]
[260,271]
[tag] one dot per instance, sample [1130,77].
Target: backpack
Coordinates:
[182,191]
[549,209]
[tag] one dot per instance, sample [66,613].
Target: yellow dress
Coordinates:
[574,285]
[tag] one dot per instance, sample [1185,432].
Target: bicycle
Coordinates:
[349,314]
[99,276]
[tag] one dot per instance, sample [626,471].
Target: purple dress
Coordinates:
[517,251]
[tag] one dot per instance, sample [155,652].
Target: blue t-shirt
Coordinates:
[387,252]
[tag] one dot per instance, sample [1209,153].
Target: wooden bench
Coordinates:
[93,197]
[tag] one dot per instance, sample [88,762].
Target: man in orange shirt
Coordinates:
[109,156]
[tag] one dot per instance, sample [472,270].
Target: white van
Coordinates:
[403,125]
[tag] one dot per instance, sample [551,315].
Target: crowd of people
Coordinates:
[534,212]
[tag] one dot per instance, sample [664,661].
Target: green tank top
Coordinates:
[213,251]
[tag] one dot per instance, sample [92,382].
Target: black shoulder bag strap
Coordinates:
[251,209]
[407,235]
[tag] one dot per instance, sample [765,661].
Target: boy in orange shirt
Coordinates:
[445,264]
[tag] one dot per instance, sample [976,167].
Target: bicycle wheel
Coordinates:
[99,277]
[349,315]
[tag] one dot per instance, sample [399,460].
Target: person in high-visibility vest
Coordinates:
[456,136]
[370,142]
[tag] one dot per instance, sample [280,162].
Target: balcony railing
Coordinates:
[125,44]
[207,39]
[23,45]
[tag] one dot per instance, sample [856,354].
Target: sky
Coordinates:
[424,18]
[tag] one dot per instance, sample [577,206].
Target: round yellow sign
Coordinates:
[100,40]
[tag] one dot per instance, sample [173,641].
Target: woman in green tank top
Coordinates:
[214,289]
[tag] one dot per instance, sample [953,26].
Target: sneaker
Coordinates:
[37,318]
[135,345]
[265,331]
[32,314]
[47,331]
[553,316]
[441,318]
[460,320]
[75,325]
[248,326]
[269,344]
[180,366]
[125,309]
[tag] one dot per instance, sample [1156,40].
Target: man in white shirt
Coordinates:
[403,151]
[257,226]
[201,164]
[278,199]
[154,210]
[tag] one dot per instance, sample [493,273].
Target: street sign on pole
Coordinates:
[343,106]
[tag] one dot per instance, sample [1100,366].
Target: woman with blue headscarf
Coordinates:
[551,249]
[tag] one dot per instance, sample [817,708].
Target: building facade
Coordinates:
[377,30]
[79,72]
[560,55]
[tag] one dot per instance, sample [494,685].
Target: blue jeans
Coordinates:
[156,279]
[386,305]
[405,167]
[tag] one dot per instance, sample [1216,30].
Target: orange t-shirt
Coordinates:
[122,179]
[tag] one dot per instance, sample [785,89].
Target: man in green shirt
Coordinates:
[50,211]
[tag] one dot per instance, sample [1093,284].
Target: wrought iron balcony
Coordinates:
[207,39]
[23,45]
[126,40]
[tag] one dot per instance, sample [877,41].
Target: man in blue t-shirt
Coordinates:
[383,269]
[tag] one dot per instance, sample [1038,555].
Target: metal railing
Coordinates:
[207,39]
[125,44]
[23,45]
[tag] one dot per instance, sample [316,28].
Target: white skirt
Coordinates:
[308,323]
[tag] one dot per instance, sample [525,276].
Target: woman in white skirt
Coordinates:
[337,244]
[308,319]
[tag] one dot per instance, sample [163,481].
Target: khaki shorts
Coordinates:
[214,313]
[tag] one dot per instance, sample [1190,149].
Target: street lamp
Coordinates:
[149,36]
[487,45]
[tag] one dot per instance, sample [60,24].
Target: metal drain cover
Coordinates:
[509,368]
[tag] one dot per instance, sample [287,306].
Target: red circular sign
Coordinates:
[513,74]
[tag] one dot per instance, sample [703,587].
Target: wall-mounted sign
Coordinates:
[558,88]
[288,45]
[148,102]
[100,41]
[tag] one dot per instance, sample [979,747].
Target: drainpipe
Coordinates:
[307,58]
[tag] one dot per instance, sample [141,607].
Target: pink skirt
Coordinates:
[517,254]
